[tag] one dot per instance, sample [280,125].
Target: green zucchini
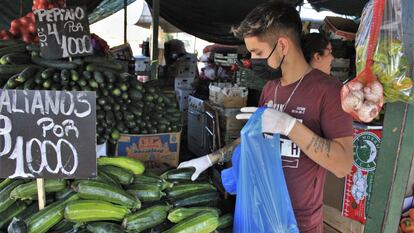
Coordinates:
[17,226]
[162,227]
[4,183]
[182,190]
[46,218]
[5,200]
[11,212]
[206,199]
[147,179]
[146,218]
[74,75]
[182,175]
[104,227]
[204,222]
[133,165]
[93,210]
[108,178]
[29,190]
[146,192]
[58,64]
[64,193]
[19,48]
[177,215]
[29,211]
[225,221]
[123,176]
[95,190]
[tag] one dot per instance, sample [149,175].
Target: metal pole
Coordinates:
[125,20]
[154,50]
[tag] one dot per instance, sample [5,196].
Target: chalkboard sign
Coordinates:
[63,32]
[47,134]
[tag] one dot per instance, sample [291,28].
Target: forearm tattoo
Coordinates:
[319,145]
[224,154]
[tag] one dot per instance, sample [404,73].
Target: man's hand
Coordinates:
[200,164]
[273,121]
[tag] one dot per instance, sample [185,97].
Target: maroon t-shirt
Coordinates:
[316,103]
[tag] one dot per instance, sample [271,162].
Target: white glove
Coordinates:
[273,121]
[200,164]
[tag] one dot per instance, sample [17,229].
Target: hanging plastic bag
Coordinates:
[363,97]
[390,64]
[262,203]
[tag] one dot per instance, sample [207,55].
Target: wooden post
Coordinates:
[396,153]
[154,48]
[41,193]
[125,21]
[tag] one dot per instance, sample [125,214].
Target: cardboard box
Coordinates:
[183,82]
[228,96]
[358,184]
[340,28]
[160,148]
[182,98]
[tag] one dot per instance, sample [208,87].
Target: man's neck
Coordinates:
[294,69]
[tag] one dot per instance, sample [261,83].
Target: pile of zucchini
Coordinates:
[123,198]
[123,104]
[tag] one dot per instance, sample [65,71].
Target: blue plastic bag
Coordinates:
[262,202]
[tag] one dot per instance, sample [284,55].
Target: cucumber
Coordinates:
[154,180]
[65,75]
[182,175]
[182,190]
[123,176]
[104,62]
[26,74]
[48,73]
[95,190]
[33,47]
[177,215]
[146,218]
[104,227]
[5,200]
[29,84]
[81,211]
[18,48]
[87,75]
[47,84]
[29,190]
[93,84]
[12,69]
[133,165]
[74,75]
[58,64]
[98,76]
[6,43]
[110,77]
[203,222]
[11,212]
[206,199]
[82,82]
[46,218]
[146,192]
[97,67]
[15,59]
[225,221]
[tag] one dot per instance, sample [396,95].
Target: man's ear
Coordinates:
[316,57]
[285,45]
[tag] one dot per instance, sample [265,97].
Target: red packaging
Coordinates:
[358,184]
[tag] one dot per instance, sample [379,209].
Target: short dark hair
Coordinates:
[313,43]
[271,20]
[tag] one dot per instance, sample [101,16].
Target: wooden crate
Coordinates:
[334,222]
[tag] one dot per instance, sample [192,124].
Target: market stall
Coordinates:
[61,99]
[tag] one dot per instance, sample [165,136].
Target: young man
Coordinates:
[304,107]
[318,51]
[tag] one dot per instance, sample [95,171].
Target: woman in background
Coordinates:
[318,51]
